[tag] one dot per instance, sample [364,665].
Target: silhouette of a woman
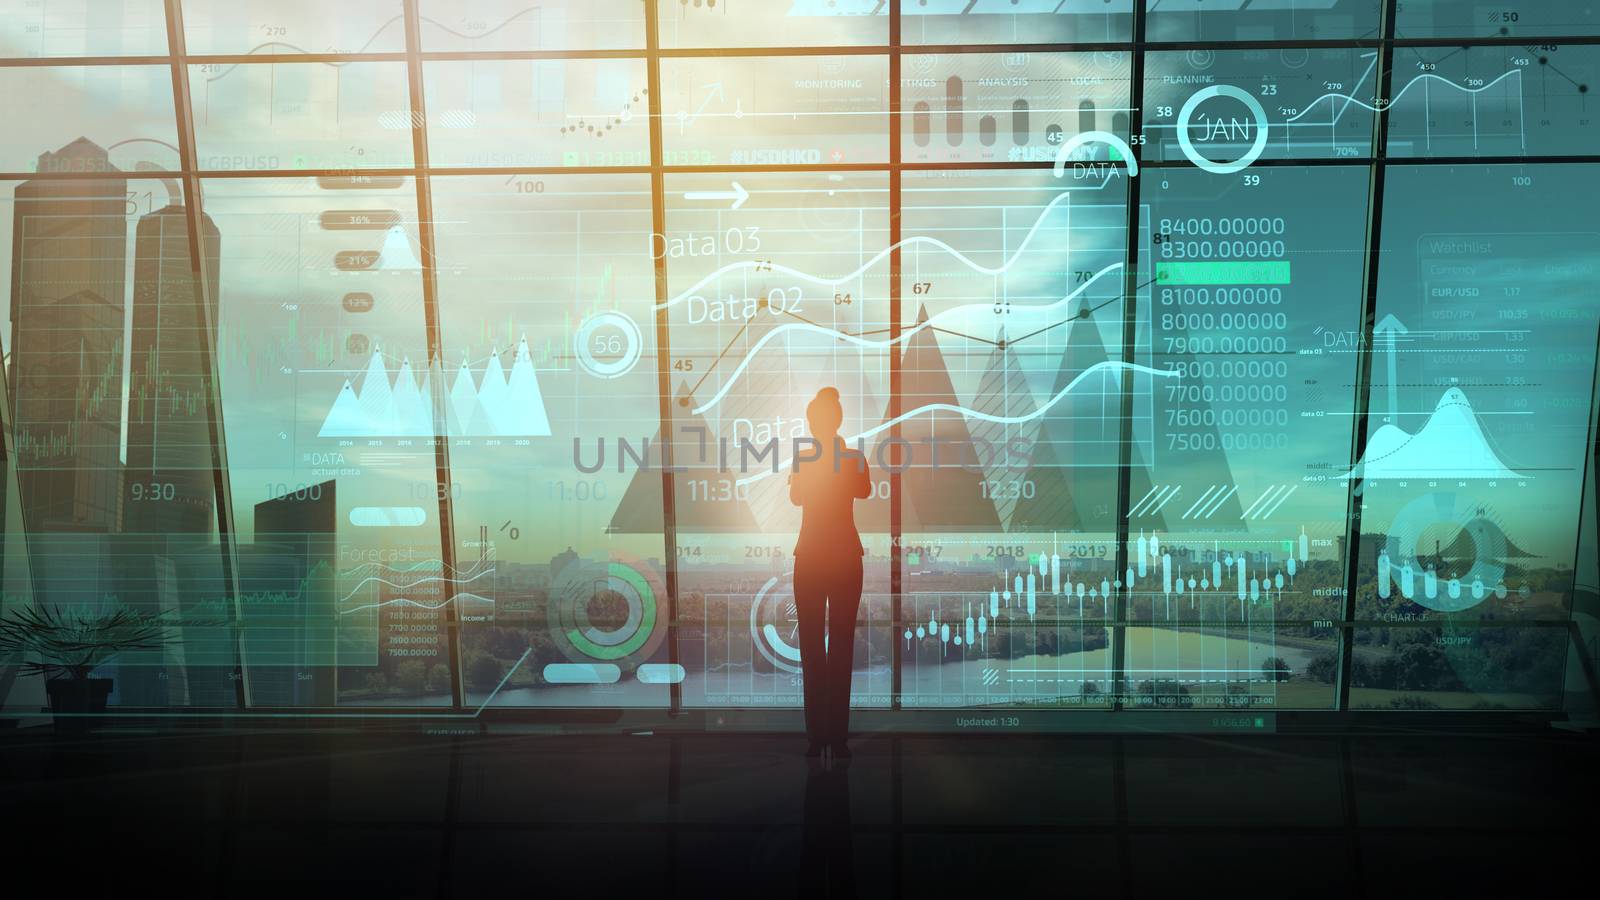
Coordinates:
[827,572]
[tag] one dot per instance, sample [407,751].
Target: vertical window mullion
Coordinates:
[435,339]
[208,311]
[1369,311]
[1130,338]
[658,219]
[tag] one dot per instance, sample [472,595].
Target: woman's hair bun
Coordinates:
[828,393]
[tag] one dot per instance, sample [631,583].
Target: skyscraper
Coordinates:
[67,260]
[289,612]
[168,486]
[168,561]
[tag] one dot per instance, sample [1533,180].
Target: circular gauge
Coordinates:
[1465,550]
[607,344]
[774,624]
[606,611]
[1186,144]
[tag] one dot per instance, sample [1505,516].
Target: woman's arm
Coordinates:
[863,479]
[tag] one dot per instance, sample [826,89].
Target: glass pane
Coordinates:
[483,25]
[1261,20]
[301,115]
[546,294]
[1011,305]
[22,695]
[1223,663]
[770,301]
[1529,18]
[293,26]
[1456,666]
[1479,431]
[87,118]
[1219,108]
[1009,21]
[1494,101]
[538,113]
[1014,107]
[108,391]
[794,23]
[325,393]
[1235,521]
[1304,667]
[29,28]
[798,111]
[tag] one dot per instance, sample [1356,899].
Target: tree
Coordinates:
[438,679]
[1381,672]
[377,683]
[1411,701]
[1323,667]
[411,677]
[484,671]
[1422,667]
[1276,668]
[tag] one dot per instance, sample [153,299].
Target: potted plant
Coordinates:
[68,645]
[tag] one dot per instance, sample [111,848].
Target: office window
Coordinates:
[451,359]
[545,296]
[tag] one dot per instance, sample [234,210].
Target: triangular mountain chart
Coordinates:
[396,254]
[496,407]
[701,508]
[946,497]
[1074,459]
[1451,444]
[1003,392]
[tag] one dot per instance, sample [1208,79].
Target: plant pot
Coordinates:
[74,702]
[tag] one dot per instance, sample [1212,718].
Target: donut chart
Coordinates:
[585,602]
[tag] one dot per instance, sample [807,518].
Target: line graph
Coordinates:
[409,583]
[880,256]
[377,33]
[1353,100]
[1545,109]
[969,413]
[906,335]
[1114,365]
[407,601]
[377,579]
[1481,98]
[1004,268]
[1404,90]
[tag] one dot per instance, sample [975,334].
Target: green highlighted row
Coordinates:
[1274,271]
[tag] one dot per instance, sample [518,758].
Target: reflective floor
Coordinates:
[291,814]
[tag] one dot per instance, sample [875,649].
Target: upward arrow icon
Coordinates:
[1390,328]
